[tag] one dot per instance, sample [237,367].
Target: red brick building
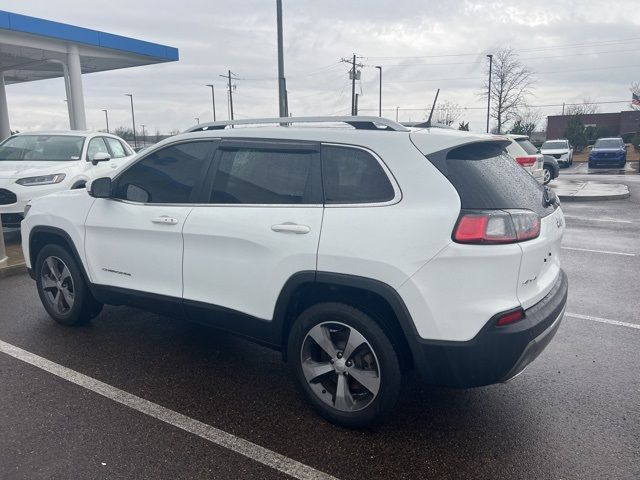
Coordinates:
[618,124]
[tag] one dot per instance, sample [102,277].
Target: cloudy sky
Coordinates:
[585,49]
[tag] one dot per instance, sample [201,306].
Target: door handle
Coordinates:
[291,228]
[166,220]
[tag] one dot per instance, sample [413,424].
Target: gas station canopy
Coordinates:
[37,49]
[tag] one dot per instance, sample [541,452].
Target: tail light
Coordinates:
[510,317]
[496,227]
[526,161]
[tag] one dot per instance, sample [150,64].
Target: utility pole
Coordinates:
[353,75]
[380,92]
[355,109]
[229,76]
[397,108]
[282,82]
[490,57]
[133,119]
[562,108]
[106,117]
[213,100]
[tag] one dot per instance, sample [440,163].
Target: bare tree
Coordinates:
[528,116]
[511,82]
[635,91]
[587,107]
[447,112]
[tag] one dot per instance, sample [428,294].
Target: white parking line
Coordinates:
[612,220]
[599,251]
[603,320]
[219,437]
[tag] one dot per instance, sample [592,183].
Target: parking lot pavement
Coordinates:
[572,414]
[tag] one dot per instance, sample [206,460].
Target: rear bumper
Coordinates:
[495,354]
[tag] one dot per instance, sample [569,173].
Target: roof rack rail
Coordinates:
[359,123]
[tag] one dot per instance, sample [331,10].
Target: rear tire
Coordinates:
[547,174]
[353,379]
[62,288]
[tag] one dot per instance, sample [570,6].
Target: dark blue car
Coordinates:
[608,152]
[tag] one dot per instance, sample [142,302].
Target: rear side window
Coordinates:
[168,175]
[257,176]
[487,178]
[352,175]
[527,146]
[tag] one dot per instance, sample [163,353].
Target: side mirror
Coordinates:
[100,157]
[100,188]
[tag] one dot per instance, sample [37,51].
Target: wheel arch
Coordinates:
[377,299]
[42,235]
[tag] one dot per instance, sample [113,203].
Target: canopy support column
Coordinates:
[5,129]
[76,95]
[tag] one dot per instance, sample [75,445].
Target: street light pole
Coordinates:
[380,92]
[197,119]
[490,57]
[282,82]
[133,119]
[144,135]
[213,100]
[106,117]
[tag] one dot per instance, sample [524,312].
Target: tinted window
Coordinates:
[486,178]
[527,146]
[117,149]
[96,145]
[255,176]
[351,175]
[165,176]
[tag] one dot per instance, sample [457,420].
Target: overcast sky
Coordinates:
[422,46]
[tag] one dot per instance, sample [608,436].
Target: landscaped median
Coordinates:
[583,191]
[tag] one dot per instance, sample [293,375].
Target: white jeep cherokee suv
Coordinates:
[35,164]
[359,253]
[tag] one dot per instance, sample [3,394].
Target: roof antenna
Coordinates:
[433,107]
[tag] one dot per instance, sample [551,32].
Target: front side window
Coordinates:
[96,145]
[352,175]
[258,176]
[117,149]
[54,148]
[168,175]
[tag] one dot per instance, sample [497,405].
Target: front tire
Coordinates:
[62,289]
[345,364]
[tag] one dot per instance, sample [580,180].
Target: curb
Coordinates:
[593,198]
[13,270]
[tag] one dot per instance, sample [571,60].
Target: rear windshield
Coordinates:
[486,178]
[609,143]
[527,146]
[42,148]
[554,145]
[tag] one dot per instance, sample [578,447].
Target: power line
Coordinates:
[536,49]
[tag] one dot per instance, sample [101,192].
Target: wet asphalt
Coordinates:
[574,413]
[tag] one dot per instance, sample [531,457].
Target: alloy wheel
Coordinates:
[57,285]
[547,176]
[340,366]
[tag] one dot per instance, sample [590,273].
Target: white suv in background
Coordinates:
[359,253]
[560,149]
[35,164]
[527,156]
